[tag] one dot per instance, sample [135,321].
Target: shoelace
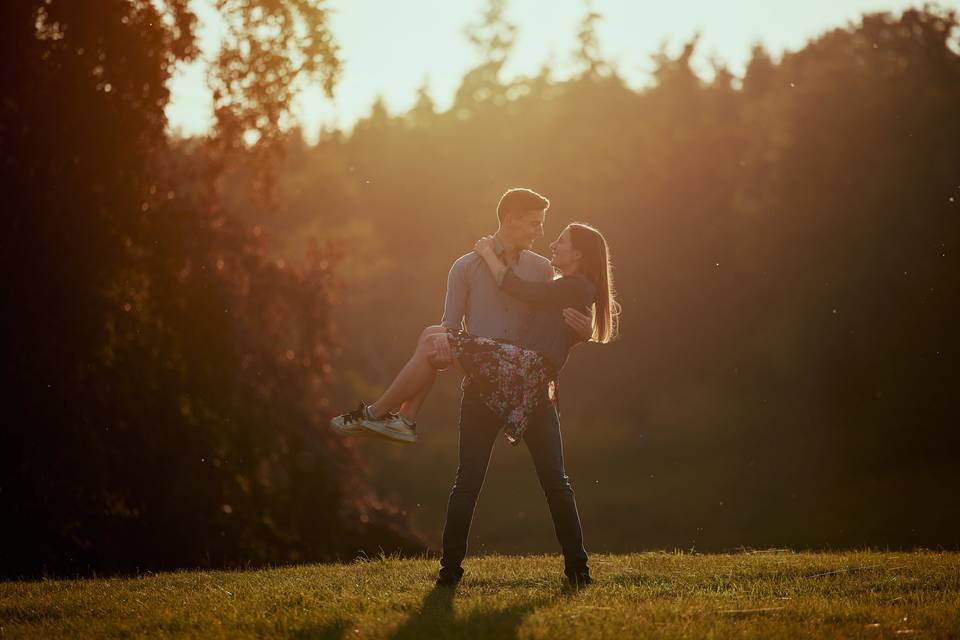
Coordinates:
[355,416]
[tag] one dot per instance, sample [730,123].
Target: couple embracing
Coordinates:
[510,319]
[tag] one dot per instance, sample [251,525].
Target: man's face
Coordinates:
[526,228]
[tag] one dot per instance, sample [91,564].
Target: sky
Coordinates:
[390,48]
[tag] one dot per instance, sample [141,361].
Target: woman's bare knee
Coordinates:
[427,350]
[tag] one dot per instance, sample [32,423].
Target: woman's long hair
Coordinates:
[595,264]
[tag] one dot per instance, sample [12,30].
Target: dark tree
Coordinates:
[167,378]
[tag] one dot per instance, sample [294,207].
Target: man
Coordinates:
[475,303]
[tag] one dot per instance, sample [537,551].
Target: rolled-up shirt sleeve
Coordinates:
[455,303]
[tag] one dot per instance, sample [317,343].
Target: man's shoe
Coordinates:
[579,580]
[449,577]
[391,427]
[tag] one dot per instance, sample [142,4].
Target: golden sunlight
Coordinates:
[391,49]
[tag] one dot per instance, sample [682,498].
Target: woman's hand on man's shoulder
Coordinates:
[485,246]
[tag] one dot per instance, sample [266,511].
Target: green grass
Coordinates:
[769,594]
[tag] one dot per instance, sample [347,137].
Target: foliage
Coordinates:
[787,252]
[786,246]
[167,377]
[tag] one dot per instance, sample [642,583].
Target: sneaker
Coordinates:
[351,423]
[392,427]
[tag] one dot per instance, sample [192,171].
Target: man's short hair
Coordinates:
[520,201]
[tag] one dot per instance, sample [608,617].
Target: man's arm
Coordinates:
[455,303]
[454,307]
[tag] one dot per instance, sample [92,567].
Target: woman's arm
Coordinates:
[484,248]
[565,292]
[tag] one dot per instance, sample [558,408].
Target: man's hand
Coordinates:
[441,355]
[582,324]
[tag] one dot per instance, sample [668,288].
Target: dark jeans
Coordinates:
[479,428]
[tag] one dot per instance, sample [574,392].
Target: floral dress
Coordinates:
[513,381]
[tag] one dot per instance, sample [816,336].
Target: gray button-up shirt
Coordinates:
[477,304]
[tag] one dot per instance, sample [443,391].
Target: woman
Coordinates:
[515,377]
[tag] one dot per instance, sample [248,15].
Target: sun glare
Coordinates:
[389,50]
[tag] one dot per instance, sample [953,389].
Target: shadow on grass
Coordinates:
[515,583]
[436,619]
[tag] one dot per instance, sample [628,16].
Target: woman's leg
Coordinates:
[411,407]
[414,381]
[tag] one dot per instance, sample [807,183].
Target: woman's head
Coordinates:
[583,249]
[564,257]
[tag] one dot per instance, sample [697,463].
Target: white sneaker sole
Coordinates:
[348,433]
[384,431]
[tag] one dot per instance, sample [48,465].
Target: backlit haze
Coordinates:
[391,48]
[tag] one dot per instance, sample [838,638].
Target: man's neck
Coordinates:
[510,252]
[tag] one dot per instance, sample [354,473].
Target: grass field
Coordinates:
[761,594]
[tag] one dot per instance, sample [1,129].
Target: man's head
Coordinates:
[521,213]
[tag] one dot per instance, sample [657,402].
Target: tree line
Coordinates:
[184,316]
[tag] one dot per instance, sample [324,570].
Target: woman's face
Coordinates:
[562,254]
